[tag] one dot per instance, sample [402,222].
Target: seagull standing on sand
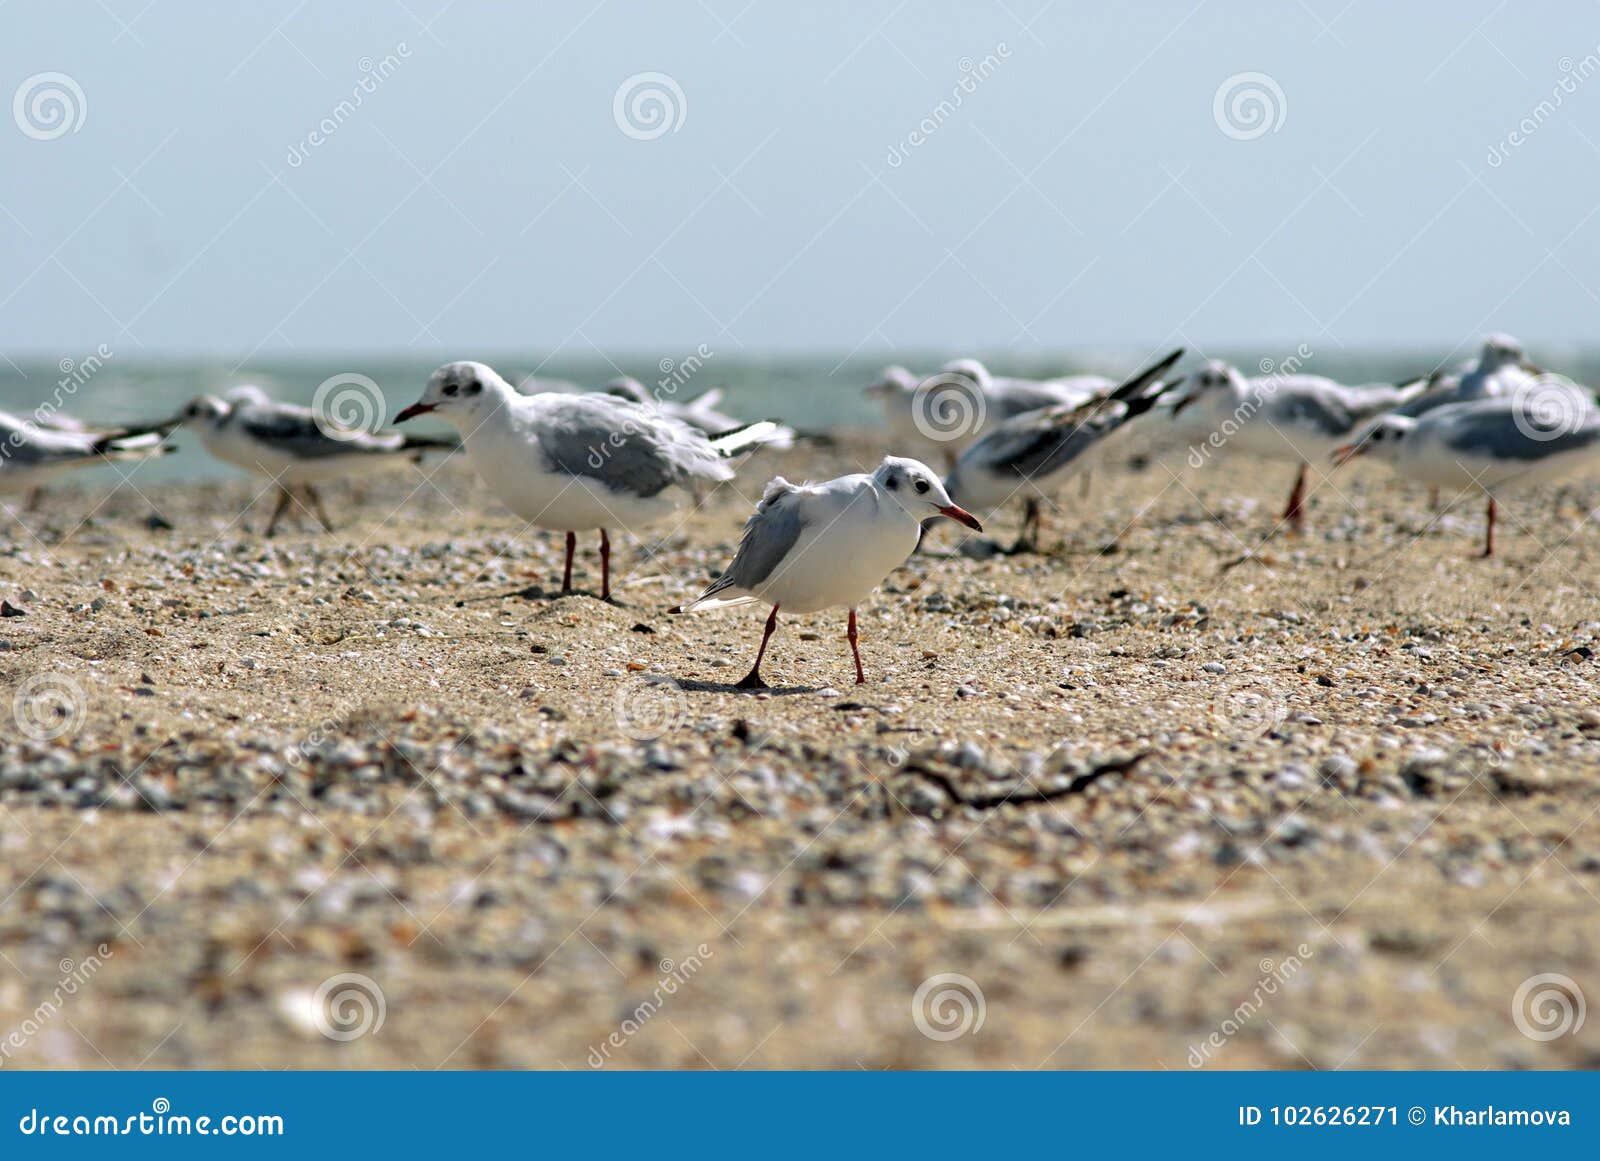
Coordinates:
[33,454]
[1488,445]
[1031,455]
[572,463]
[1299,419]
[817,546]
[293,446]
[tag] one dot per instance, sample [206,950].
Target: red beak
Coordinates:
[414,410]
[1346,452]
[962,516]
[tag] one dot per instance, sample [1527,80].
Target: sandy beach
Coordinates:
[1197,797]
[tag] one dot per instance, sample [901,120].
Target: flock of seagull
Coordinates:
[572,461]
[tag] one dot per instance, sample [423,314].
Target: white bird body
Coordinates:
[809,547]
[850,536]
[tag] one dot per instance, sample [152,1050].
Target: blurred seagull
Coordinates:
[572,463]
[947,410]
[33,454]
[817,546]
[293,446]
[1031,455]
[701,411]
[1299,419]
[1488,445]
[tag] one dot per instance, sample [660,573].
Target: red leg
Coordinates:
[861,678]
[1294,513]
[752,680]
[605,566]
[566,573]
[1488,538]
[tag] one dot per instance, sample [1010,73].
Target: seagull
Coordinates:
[572,463]
[701,411]
[1032,454]
[1296,418]
[293,446]
[1488,445]
[33,454]
[810,546]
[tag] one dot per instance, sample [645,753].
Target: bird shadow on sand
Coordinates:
[536,593]
[691,686]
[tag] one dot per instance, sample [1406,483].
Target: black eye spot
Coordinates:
[921,486]
[450,389]
[892,483]
[474,387]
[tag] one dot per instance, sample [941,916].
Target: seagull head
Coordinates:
[456,391]
[893,380]
[912,485]
[969,369]
[204,411]
[1500,351]
[1382,439]
[629,388]
[1210,381]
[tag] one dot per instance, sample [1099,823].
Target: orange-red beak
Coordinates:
[1346,452]
[962,516]
[414,410]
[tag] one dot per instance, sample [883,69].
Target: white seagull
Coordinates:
[293,446]
[1298,419]
[571,463]
[810,546]
[32,454]
[1032,455]
[1488,445]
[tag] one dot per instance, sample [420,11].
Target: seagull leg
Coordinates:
[861,678]
[316,506]
[1294,513]
[605,566]
[566,573]
[1433,499]
[752,680]
[1025,534]
[285,498]
[1488,536]
[34,497]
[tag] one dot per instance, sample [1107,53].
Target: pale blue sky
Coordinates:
[484,199]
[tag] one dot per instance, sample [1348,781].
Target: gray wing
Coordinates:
[294,430]
[1498,432]
[1037,443]
[27,446]
[626,447]
[1312,407]
[769,536]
